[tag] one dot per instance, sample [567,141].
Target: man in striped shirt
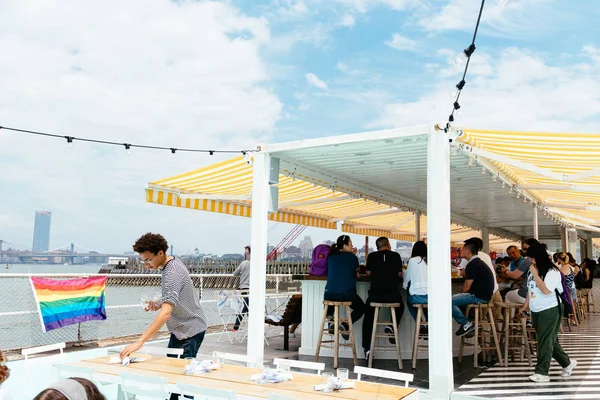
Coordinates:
[180,306]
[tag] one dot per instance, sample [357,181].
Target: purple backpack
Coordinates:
[318,265]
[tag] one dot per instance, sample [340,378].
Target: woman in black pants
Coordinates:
[342,267]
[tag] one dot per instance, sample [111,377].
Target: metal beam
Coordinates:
[316,201]
[346,139]
[366,215]
[344,184]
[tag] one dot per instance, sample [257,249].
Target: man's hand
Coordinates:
[154,305]
[132,348]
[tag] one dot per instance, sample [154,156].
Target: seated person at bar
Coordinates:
[384,267]
[496,298]
[416,277]
[519,274]
[478,287]
[342,265]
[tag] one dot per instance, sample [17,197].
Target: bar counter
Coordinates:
[313,289]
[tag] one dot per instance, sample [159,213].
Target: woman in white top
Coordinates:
[544,282]
[4,374]
[416,277]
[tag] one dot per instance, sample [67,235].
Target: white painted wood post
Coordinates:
[258,261]
[485,237]
[417,225]
[536,234]
[441,375]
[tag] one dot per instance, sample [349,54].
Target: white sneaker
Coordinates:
[569,370]
[539,378]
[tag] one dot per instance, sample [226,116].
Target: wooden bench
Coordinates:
[292,315]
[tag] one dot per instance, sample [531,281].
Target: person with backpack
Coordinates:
[384,268]
[342,266]
[545,285]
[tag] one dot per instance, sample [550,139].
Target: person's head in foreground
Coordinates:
[4,371]
[152,249]
[71,389]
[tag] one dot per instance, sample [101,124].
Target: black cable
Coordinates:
[127,146]
[468,52]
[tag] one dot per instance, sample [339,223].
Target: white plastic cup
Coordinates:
[285,365]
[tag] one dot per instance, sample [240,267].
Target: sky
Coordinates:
[233,74]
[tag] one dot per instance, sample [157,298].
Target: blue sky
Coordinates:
[238,73]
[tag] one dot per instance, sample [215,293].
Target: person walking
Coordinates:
[243,271]
[544,284]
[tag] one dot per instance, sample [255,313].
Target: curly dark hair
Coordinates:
[91,390]
[152,242]
[4,371]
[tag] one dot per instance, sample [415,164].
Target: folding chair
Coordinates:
[238,358]
[315,366]
[204,393]
[382,373]
[154,387]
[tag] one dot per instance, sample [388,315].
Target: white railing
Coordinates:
[20,325]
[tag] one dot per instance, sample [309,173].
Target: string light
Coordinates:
[128,146]
[495,179]
[465,55]
[470,162]
[173,150]
[518,195]
[503,184]
[482,170]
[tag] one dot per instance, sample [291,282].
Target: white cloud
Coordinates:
[400,42]
[184,74]
[314,80]
[348,20]
[521,91]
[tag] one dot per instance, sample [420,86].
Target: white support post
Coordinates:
[418,225]
[589,248]
[564,240]
[485,238]
[441,375]
[536,234]
[258,261]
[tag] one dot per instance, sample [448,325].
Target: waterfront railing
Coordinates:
[20,325]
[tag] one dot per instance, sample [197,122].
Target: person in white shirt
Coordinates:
[544,284]
[4,374]
[416,276]
[243,271]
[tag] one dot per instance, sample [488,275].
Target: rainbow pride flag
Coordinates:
[67,302]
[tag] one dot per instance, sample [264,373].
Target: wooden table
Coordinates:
[237,379]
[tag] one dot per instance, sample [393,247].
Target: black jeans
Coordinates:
[240,317]
[190,348]
[357,306]
[370,314]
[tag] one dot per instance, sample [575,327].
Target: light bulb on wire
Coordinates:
[470,162]
[127,148]
[483,171]
[69,141]
[173,150]
[466,53]
[495,179]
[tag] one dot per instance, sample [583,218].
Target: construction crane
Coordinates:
[286,242]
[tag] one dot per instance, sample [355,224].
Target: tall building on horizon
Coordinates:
[41,231]
[306,247]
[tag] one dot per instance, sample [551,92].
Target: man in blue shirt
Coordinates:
[478,287]
[518,274]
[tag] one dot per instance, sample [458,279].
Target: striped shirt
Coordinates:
[187,318]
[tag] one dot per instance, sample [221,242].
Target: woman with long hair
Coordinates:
[544,282]
[342,266]
[4,374]
[415,277]
[562,260]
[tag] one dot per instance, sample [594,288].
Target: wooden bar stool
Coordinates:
[588,295]
[418,335]
[480,342]
[394,335]
[582,304]
[515,332]
[336,320]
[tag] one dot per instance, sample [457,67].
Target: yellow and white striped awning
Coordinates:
[226,188]
[560,170]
